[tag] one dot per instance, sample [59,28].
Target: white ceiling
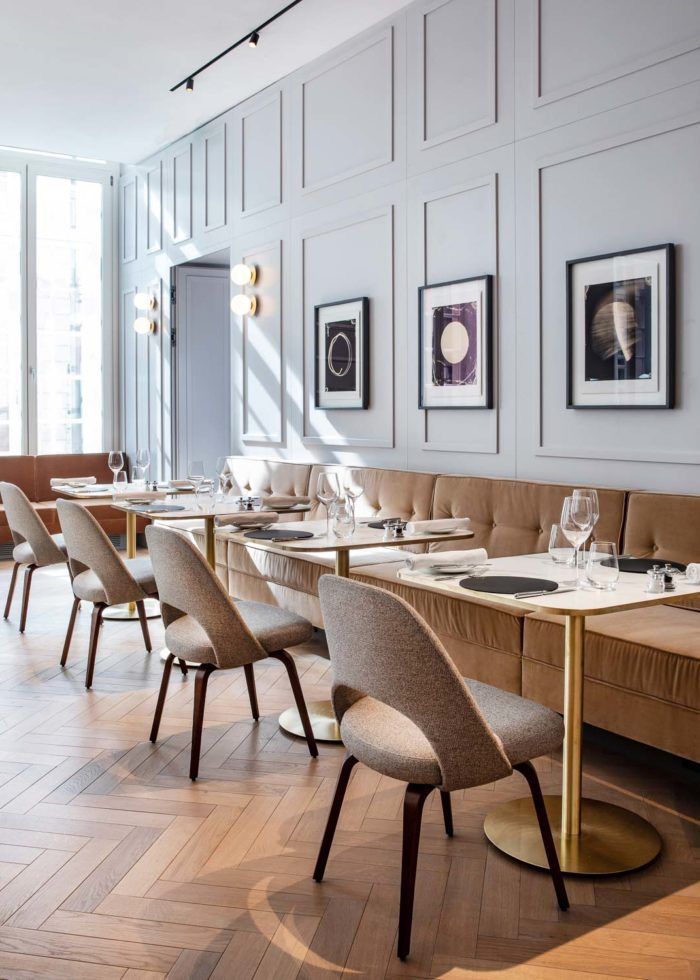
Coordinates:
[91,77]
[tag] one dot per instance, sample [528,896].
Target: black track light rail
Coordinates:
[193,74]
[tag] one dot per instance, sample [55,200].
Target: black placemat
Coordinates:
[157,508]
[280,535]
[642,565]
[508,584]
[380,525]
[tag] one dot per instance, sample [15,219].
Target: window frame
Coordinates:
[31,166]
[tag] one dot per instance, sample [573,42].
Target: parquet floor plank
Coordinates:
[113,864]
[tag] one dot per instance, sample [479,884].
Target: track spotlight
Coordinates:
[253,40]
[189,87]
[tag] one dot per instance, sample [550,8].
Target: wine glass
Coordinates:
[576,524]
[352,485]
[592,495]
[327,491]
[115,461]
[602,568]
[222,472]
[196,474]
[143,461]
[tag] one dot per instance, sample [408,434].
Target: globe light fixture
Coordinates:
[142,324]
[244,305]
[144,301]
[244,275]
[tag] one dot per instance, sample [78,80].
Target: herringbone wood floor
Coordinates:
[112,864]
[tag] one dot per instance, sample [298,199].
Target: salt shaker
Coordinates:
[656,580]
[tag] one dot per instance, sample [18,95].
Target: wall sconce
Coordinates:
[244,275]
[144,301]
[142,324]
[244,305]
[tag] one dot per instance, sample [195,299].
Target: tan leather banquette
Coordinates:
[642,667]
[33,475]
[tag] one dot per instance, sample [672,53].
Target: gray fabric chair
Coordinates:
[34,546]
[208,630]
[405,712]
[100,576]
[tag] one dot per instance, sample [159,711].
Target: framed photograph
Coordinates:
[342,354]
[456,344]
[621,329]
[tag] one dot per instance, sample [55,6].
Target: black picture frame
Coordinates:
[668,304]
[487,400]
[361,393]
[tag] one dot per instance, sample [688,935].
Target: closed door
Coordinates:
[203,384]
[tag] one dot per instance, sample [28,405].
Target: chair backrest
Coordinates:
[89,548]
[26,525]
[382,649]
[187,586]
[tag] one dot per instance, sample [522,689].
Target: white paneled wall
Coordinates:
[459,138]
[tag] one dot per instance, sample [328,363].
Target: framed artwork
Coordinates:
[342,354]
[621,329]
[456,344]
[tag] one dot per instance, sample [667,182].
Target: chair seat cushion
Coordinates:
[186,639]
[388,742]
[653,651]
[86,585]
[274,628]
[24,555]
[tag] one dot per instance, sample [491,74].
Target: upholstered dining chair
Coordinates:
[100,576]
[405,712]
[34,546]
[209,630]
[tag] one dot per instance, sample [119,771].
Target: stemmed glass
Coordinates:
[352,485]
[327,492]
[143,461]
[222,472]
[196,474]
[591,495]
[115,461]
[576,524]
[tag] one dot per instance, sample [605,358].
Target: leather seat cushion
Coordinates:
[653,651]
[388,742]
[482,623]
[86,585]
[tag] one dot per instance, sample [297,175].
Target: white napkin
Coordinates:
[247,517]
[284,500]
[72,481]
[181,484]
[692,573]
[448,524]
[417,563]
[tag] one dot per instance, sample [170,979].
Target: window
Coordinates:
[56,332]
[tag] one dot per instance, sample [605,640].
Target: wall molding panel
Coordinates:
[456,138]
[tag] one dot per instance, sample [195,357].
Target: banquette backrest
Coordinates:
[662,525]
[69,465]
[21,471]
[514,517]
[268,476]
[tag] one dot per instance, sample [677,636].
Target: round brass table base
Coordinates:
[612,840]
[127,610]
[322,721]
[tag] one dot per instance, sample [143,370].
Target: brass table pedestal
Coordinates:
[322,718]
[612,840]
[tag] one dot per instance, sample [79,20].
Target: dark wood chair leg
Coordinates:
[95,625]
[530,773]
[28,572]
[183,667]
[200,695]
[11,590]
[141,609]
[69,631]
[167,664]
[291,668]
[252,690]
[416,795]
[332,822]
[447,813]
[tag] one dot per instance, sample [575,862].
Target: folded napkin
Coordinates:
[134,493]
[284,500]
[692,573]
[181,484]
[72,481]
[417,563]
[247,517]
[426,527]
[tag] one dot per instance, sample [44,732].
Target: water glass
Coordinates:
[602,568]
[342,518]
[560,550]
[121,483]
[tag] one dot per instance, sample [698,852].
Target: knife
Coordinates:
[532,595]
